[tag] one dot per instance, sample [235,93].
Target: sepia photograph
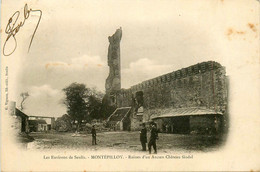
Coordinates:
[130,85]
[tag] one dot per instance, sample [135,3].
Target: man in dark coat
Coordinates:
[153,138]
[93,132]
[143,137]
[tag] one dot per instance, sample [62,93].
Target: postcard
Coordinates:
[130,85]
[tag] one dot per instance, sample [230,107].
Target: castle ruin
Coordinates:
[191,99]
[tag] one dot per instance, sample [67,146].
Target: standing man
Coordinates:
[93,132]
[143,137]
[153,138]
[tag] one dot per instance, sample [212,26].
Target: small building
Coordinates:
[119,119]
[38,125]
[190,120]
[22,121]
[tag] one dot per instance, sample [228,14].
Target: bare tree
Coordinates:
[24,96]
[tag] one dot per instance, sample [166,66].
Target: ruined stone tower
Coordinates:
[113,81]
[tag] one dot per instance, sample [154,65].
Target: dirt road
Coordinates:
[123,141]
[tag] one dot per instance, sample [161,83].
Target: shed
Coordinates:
[23,120]
[189,120]
[119,119]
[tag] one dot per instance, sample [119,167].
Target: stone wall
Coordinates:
[136,121]
[203,84]
[113,81]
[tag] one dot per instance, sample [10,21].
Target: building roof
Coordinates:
[37,121]
[187,112]
[20,113]
[119,114]
[41,121]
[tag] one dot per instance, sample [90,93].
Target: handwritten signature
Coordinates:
[12,29]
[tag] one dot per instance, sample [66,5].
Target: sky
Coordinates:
[71,44]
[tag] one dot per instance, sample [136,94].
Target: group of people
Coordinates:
[143,137]
[152,140]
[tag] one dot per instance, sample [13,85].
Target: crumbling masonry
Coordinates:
[203,85]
